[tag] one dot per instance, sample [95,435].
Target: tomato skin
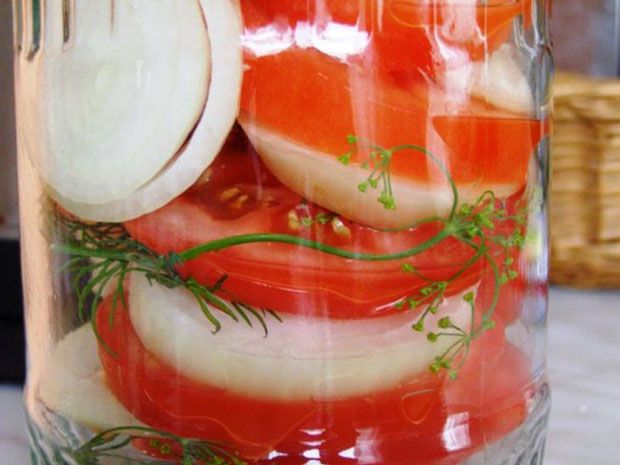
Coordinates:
[288,278]
[407,424]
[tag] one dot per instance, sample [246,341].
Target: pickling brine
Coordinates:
[284,232]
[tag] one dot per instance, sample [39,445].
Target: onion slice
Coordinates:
[500,81]
[301,358]
[333,185]
[119,87]
[198,146]
[73,384]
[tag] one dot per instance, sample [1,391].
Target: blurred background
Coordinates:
[11,335]
[585,168]
[584,33]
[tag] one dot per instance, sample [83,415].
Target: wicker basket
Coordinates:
[585,183]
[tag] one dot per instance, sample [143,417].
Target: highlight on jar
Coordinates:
[284,232]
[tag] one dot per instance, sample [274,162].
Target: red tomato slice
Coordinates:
[404,38]
[408,424]
[318,102]
[314,78]
[240,196]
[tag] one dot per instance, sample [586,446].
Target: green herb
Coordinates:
[112,444]
[104,254]
[474,225]
[379,163]
[307,219]
[116,254]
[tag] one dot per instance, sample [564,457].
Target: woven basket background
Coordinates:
[585,183]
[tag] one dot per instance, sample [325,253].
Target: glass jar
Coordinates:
[284,232]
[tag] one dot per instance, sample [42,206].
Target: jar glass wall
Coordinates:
[284,232]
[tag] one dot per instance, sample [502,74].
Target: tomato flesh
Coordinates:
[406,424]
[241,197]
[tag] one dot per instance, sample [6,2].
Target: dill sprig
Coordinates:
[112,254]
[112,444]
[102,255]
[470,223]
[474,225]
[378,163]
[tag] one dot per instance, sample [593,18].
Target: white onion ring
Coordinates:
[301,358]
[220,112]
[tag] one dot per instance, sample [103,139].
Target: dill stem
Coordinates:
[469,263]
[441,166]
[232,241]
[227,242]
[496,287]
[451,348]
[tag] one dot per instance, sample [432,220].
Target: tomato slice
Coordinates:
[426,420]
[318,102]
[389,73]
[239,196]
[402,38]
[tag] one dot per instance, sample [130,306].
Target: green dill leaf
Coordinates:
[242,314]
[103,253]
[274,315]
[345,159]
[352,139]
[419,326]
[323,218]
[407,268]
[116,443]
